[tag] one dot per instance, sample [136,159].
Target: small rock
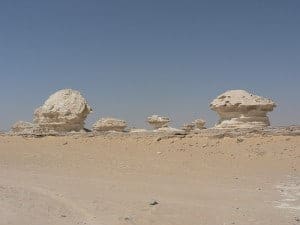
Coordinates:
[159,153]
[127,218]
[188,127]
[239,140]
[199,123]
[152,203]
[65,143]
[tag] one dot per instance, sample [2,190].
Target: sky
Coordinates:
[131,59]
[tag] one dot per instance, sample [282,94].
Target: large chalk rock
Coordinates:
[64,111]
[158,121]
[110,124]
[240,109]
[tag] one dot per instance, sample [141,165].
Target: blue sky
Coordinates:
[131,59]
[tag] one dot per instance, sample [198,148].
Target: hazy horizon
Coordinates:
[133,59]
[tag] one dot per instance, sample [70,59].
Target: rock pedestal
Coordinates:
[110,124]
[240,109]
[157,121]
[64,111]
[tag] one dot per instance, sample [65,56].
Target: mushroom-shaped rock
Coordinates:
[158,121]
[110,124]
[240,109]
[64,111]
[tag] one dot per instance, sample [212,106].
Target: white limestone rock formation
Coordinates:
[64,111]
[157,121]
[110,124]
[199,124]
[22,127]
[240,109]
[170,130]
[195,125]
[188,127]
[138,130]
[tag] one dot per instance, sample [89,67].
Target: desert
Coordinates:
[241,171]
[149,112]
[204,177]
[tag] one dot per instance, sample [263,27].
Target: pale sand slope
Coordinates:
[112,180]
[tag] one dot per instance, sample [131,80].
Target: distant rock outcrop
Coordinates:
[64,111]
[110,124]
[198,124]
[158,121]
[171,130]
[188,127]
[240,109]
[138,130]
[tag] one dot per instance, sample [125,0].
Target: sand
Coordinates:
[143,180]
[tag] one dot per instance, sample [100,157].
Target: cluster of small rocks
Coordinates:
[66,110]
[194,126]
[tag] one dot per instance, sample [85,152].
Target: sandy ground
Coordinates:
[113,180]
